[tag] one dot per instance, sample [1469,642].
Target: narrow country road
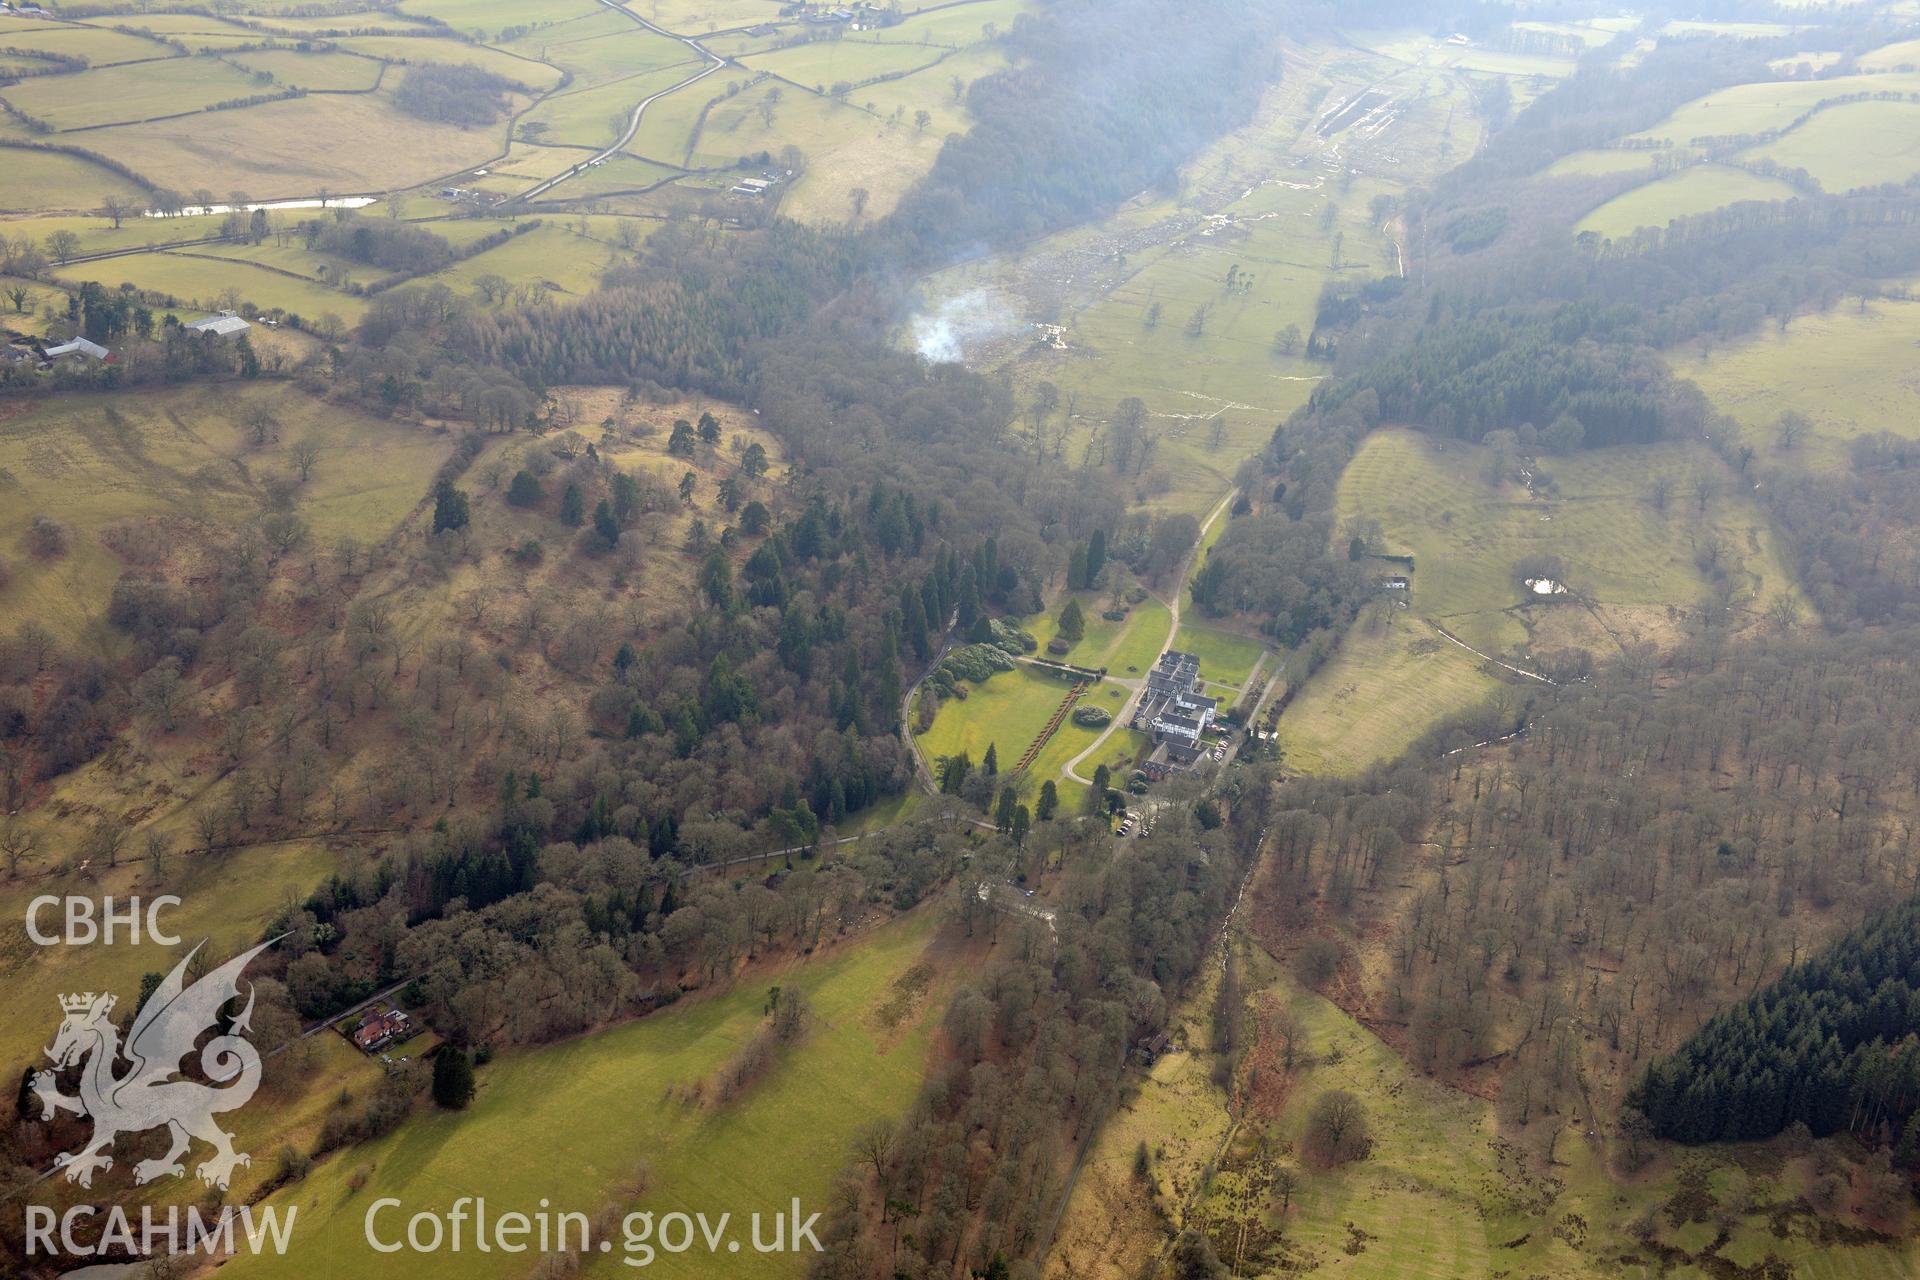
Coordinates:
[714,63]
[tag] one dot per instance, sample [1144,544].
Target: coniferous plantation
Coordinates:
[1011,638]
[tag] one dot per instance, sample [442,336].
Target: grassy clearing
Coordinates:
[602,1099]
[296,147]
[1125,649]
[137,91]
[41,180]
[98,462]
[667,129]
[1850,371]
[1177,1111]
[1225,658]
[1854,144]
[1699,189]
[1391,680]
[1619,549]
[550,255]
[1007,713]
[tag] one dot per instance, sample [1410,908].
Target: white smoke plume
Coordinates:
[960,325]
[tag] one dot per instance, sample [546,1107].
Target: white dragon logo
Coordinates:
[148,1096]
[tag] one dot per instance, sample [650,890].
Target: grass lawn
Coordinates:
[1699,189]
[1007,712]
[1225,658]
[1125,649]
[1388,683]
[601,1103]
[1123,747]
[1849,371]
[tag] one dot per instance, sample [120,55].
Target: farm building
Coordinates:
[78,347]
[224,325]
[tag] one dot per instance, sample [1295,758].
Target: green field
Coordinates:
[602,1105]
[337,142]
[1225,658]
[1766,105]
[1848,370]
[38,180]
[1627,563]
[1391,680]
[1466,535]
[1853,144]
[445,51]
[1701,188]
[100,46]
[138,91]
[486,18]
[550,255]
[822,64]
[1007,713]
[693,17]
[1123,747]
[1904,55]
[196,281]
[1125,649]
[330,72]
